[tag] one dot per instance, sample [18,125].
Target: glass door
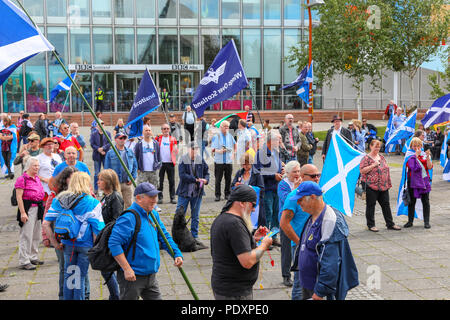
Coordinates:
[169,82]
[126,90]
[188,82]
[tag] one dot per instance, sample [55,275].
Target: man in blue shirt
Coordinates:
[224,148]
[292,221]
[70,154]
[137,277]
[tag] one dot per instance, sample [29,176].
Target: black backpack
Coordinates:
[100,256]
[25,129]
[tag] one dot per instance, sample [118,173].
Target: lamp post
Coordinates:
[310,4]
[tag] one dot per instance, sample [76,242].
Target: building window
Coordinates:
[188,12]
[167,12]
[272,68]
[126,87]
[106,83]
[145,12]
[168,46]
[230,12]
[78,12]
[35,9]
[272,12]
[35,84]
[84,82]
[56,11]
[251,58]
[210,46]
[80,45]
[235,34]
[251,12]
[292,37]
[124,11]
[13,92]
[146,46]
[189,49]
[124,45]
[102,42]
[210,12]
[101,12]
[292,13]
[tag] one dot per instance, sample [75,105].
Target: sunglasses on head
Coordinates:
[314,175]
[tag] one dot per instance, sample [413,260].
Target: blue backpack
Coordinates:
[67,226]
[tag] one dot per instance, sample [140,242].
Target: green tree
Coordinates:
[438,90]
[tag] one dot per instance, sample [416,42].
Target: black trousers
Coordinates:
[372,196]
[7,158]
[286,255]
[170,169]
[425,205]
[190,129]
[221,170]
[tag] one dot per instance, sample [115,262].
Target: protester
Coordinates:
[224,148]
[194,175]
[311,140]
[25,128]
[168,149]
[99,115]
[290,182]
[244,139]
[370,129]
[358,136]
[234,251]
[292,220]
[305,146]
[148,157]
[267,125]
[30,149]
[112,207]
[326,265]
[269,165]
[75,132]
[137,277]
[337,127]
[437,144]
[250,115]
[113,162]
[175,128]
[41,126]
[65,140]
[87,210]
[376,176]
[57,123]
[290,136]
[250,176]
[6,138]
[48,161]
[30,195]
[100,146]
[60,184]
[418,183]
[397,121]
[390,109]
[119,128]
[189,117]
[70,156]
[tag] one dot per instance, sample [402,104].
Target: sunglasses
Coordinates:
[122,138]
[314,175]
[165,128]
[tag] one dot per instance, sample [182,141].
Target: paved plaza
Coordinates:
[409,264]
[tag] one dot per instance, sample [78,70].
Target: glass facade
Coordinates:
[168,34]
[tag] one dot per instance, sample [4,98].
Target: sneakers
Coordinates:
[287,281]
[37,262]
[408,225]
[28,266]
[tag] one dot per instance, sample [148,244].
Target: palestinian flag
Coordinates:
[241,115]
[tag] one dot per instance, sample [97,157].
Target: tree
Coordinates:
[417,31]
[347,41]
[438,90]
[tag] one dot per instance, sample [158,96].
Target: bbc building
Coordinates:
[110,43]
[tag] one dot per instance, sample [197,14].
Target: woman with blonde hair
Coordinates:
[358,136]
[88,214]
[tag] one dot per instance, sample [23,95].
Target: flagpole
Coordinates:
[77,88]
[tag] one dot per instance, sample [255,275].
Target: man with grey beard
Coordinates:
[233,247]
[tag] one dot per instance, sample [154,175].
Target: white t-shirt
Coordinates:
[165,150]
[244,136]
[148,150]
[46,168]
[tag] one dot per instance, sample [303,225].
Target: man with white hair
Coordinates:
[291,138]
[70,154]
[148,157]
[223,146]
[390,109]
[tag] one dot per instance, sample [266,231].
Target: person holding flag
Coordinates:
[397,120]
[8,139]
[404,128]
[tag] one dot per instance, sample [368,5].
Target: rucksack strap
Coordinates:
[137,228]
[76,202]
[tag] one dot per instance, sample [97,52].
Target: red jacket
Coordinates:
[173,143]
[386,112]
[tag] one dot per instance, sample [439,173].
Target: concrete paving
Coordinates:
[393,265]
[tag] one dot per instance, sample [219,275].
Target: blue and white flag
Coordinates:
[390,129]
[255,213]
[146,101]
[439,112]
[340,174]
[19,39]
[299,81]
[446,173]
[224,78]
[405,130]
[13,147]
[444,148]
[303,91]
[64,85]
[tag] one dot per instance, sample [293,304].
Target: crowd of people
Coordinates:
[278,163]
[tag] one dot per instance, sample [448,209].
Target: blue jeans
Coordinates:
[310,159]
[271,208]
[112,285]
[76,267]
[195,202]
[297,293]
[97,168]
[60,256]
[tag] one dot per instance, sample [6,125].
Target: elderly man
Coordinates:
[292,221]
[65,139]
[326,264]
[70,154]
[168,147]
[305,147]
[311,140]
[75,132]
[100,146]
[390,109]
[138,268]
[339,129]
[223,146]
[148,157]
[290,136]
[234,251]
[57,123]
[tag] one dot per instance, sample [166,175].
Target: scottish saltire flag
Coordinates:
[255,213]
[146,101]
[340,174]
[303,91]
[444,147]
[390,129]
[439,112]
[64,85]
[13,130]
[299,81]
[446,173]
[224,78]
[19,39]
[405,130]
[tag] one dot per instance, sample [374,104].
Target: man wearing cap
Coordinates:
[137,276]
[339,129]
[194,175]
[168,151]
[48,161]
[100,146]
[148,156]
[30,149]
[234,249]
[325,261]
[175,128]
[113,162]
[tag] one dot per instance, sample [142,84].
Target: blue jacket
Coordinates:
[337,272]
[140,156]
[268,163]
[187,178]
[147,257]
[112,162]
[95,144]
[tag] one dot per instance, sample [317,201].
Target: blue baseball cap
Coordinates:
[146,188]
[119,135]
[306,188]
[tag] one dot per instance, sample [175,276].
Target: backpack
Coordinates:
[100,256]
[67,226]
[25,129]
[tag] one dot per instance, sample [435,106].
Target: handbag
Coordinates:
[406,197]
[14,198]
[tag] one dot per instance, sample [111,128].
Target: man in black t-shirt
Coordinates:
[233,248]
